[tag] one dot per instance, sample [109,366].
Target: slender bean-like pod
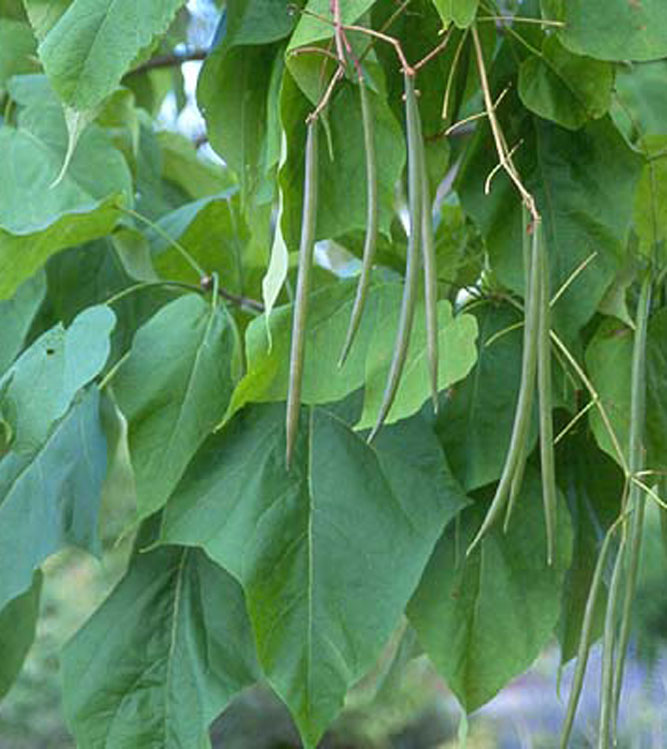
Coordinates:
[517,478]
[608,644]
[302,286]
[547,459]
[411,282]
[585,638]
[430,277]
[636,498]
[370,240]
[516,452]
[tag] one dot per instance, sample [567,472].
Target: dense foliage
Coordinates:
[474,451]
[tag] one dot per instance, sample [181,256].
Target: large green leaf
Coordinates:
[18,622]
[173,389]
[484,618]
[369,359]
[34,153]
[609,358]
[563,87]
[328,553]
[51,498]
[460,12]
[475,420]
[94,42]
[612,29]
[584,183]
[42,383]
[17,315]
[161,657]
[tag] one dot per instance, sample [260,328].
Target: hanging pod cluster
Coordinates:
[535,373]
[420,253]
[623,581]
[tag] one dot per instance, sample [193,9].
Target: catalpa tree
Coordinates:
[452,414]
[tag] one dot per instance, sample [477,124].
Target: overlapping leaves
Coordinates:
[324,588]
[369,359]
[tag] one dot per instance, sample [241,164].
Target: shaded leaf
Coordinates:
[173,389]
[17,45]
[51,498]
[327,553]
[650,207]
[17,315]
[593,487]
[475,420]
[483,619]
[232,92]
[18,622]
[213,231]
[161,657]
[641,99]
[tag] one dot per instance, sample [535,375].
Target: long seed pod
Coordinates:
[517,478]
[544,390]
[411,283]
[430,277]
[608,643]
[517,447]
[370,241]
[302,286]
[636,499]
[585,638]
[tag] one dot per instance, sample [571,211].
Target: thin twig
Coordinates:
[450,77]
[170,60]
[522,19]
[312,49]
[479,115]
[498,167]
[434,52]
[505,159]
[570,279]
